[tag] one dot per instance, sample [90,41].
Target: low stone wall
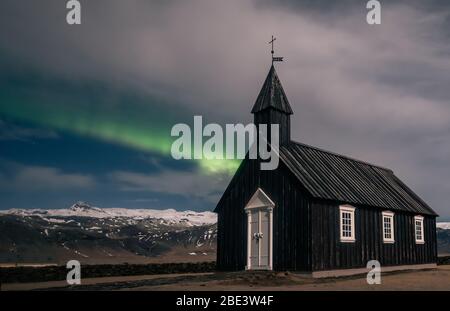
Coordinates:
[55,273]
[444,260]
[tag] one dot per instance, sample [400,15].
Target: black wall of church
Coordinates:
[291,228]
[306,231]
[330,253]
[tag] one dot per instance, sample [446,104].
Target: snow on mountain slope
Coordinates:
[169,216]
[443,225]
[82,209]
[98,235]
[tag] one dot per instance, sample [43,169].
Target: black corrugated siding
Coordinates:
[330,253]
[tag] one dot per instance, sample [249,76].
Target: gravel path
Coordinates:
[437,279]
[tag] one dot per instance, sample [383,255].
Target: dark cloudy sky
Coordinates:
[86,111]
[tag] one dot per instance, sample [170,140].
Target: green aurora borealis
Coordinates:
[141,123]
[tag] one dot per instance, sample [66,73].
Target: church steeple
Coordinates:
[272,106]
[272,95]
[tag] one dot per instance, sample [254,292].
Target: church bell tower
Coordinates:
[272,105]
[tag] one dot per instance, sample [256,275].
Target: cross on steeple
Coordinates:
[271,42]
[274,59]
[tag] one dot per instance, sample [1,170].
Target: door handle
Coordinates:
[258,235]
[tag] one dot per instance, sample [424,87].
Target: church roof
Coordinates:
[331,176]
[272,95]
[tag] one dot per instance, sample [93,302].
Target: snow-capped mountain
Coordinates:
[443,225]
[83,209]
[94,234]
[443,237]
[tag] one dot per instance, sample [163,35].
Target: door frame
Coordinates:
[261,202]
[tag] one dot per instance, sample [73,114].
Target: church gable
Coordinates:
[259,199]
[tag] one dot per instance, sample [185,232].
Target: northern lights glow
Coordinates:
[139,125]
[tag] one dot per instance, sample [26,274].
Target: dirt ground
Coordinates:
[429,280]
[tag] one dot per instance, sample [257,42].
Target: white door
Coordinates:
[254,237]
[259,231]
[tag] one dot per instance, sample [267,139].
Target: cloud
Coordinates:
[14,132]
[22,178]
[192,50]
[188,184]
[336,65]
[379,93]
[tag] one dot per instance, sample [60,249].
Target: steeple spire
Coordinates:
[272,106]
[272,95]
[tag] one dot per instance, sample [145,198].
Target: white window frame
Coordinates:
[388,215]
[351,210]
[422,238]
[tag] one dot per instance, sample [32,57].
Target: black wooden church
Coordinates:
[319,212]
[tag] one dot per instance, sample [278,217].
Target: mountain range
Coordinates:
[106,235]
[95,235]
